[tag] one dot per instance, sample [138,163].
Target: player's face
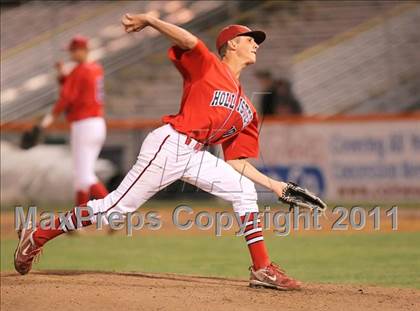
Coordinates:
[79,55]
[247,49]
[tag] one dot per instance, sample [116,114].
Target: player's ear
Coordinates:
[232,44]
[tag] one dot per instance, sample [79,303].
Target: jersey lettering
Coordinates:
[245,111]
[223,99]
[227,100]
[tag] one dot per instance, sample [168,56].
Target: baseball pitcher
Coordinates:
[214,110]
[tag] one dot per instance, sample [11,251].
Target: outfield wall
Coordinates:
[355,160]
[373,158]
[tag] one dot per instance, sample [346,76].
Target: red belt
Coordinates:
[198,146]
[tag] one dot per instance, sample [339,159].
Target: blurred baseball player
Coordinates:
[81,98]
[214,110]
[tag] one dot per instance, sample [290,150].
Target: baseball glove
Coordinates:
[31,137]
[298,196]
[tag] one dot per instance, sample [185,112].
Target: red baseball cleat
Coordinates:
[272,276]
[26,250]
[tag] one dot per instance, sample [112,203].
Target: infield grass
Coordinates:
[386,259]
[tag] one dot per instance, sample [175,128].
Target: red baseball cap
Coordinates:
[233,31]
[78,42]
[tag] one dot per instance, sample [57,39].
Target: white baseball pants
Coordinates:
[164,158]
[86,139]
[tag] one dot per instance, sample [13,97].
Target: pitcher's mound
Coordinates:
[87,290]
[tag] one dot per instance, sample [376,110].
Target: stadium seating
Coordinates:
[141,81]
[28,86]
[378,61]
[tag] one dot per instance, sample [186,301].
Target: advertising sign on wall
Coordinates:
[345,161]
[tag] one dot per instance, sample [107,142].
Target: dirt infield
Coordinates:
[78,290]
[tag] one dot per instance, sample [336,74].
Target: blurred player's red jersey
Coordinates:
[81,93]
[211,110]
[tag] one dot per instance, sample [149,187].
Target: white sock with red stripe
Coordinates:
[42,236]
[255,240]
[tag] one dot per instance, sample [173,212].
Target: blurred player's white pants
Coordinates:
[164,158]
[87,138]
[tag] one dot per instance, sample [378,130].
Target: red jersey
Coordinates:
[81,94]
[214,109]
